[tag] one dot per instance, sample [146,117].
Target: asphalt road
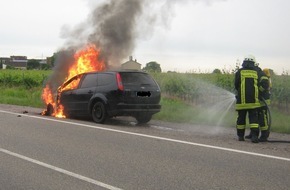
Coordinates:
[40,152]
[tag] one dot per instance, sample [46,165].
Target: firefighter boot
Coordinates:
[255,133]
[249,136]
[241,134]
[264,136]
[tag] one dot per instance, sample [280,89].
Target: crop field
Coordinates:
[23,78]
[186,97]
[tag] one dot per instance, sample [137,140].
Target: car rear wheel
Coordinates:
[143,118]
[99,112]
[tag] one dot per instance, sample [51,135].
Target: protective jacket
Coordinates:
[247,85]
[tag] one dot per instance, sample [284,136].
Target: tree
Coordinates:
[53,58]
[152,66]
[45,67]
[217,71]
[33,64]
[238,65]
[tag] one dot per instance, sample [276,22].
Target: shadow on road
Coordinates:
[278,141]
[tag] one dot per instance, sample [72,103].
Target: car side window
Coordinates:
[90,80]
[72,84]
[105,79]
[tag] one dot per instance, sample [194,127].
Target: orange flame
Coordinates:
[86,60]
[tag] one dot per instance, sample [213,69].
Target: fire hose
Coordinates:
[269,120]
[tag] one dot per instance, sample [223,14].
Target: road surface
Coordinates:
[41,152]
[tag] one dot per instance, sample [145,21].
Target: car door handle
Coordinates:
[90,92]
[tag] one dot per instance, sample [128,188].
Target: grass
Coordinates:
[21,96]
[280,121]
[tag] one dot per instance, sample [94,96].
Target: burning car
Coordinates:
[106,94]
[89,89]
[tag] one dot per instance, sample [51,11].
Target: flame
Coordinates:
[47,97]
[86,60]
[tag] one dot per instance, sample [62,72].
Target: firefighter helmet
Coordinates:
[250,58]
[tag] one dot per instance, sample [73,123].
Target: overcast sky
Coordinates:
[199,36]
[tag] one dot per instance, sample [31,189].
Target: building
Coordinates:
[131,64]
[19,62]
[3,62]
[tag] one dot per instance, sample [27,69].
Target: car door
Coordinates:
[85,91]
[67,94]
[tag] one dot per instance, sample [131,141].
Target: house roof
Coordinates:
[131,61]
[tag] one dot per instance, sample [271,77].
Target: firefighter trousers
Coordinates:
[253,121]
[263,121]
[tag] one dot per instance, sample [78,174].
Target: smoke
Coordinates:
[114,27]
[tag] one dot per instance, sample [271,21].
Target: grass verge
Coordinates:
[21,96]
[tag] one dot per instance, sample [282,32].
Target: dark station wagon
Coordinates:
[103,95]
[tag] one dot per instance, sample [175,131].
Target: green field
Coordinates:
[186,98]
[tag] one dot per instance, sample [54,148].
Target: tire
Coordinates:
[49,110]
[99,113]
[143,118]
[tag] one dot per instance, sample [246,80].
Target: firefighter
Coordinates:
[264,90]
[263,115]
[247,98]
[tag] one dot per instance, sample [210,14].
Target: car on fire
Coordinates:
[102,95]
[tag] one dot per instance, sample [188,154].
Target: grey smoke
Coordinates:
[113,26]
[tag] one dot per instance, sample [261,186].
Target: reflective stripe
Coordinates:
[243,89]
[241,126]
[264,78]
[254,126]
[256,90]
[251,74]
[248,106]
[264,128]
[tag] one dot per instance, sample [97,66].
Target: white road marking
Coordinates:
[154,137]
[98,183]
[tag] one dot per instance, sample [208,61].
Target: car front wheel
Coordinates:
[99,112]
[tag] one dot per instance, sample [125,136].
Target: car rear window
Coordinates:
[131,78]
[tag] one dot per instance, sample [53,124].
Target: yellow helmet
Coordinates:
[267,72]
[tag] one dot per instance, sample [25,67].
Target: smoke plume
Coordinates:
[113,26]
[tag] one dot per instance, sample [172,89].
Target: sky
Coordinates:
[197,35]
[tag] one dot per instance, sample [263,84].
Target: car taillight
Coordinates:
[119,82]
